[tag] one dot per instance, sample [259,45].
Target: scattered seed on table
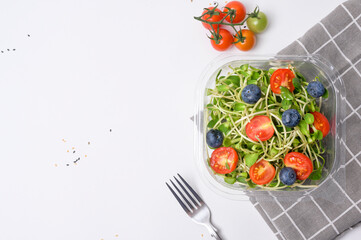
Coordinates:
[73,151]
[67,164]
[116,235]
[14,49]
[67,150]
[2,51]
[88,143]
[28,35]
[63,140]
[8,49]
[85,155]
[55,165]
[110,130]
[73,148]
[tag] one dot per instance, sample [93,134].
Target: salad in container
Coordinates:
[269,124]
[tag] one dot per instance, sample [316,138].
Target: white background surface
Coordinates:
[131,66]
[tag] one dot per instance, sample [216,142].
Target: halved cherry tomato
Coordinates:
[282,78]
[220,157]
[213,18]
[300,163]
[262,172]
[225,42]
[240,11]
[248,43]
[321,123]
[260,127]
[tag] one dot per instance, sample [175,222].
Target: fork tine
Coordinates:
[184,198]
[191,189]
[178,199]
[185,190]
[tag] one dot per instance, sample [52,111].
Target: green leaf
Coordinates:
[227,165]
[234,79]
[251,82]
[255,75]
[300,76]
[210,105]
[256,147]
[264,89]
[222,88]
[241,179]
[319,135]
[251,184]
[227,143]
[296,83]
[286,104]
[309,118]
[209,91]
[218,73]
[243,174]
[316,175]
[230,180]
[286,94]
[307,108]
[244,67]
[271,70]
[273,152]
[223,128]
[325,95]
[250,145]
[250,159]
[239,107]
[212,123]
[304,128]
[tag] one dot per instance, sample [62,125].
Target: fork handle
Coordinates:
[213,231]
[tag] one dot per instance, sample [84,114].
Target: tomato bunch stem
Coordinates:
[231,13]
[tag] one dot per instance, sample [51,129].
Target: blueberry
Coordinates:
[315,89]
[291,118]
[214,138]
[251,93]
[288,176]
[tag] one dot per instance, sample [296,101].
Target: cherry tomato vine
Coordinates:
[231,14]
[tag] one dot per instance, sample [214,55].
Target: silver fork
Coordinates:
[197,210]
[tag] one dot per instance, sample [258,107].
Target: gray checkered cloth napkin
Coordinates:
[337,38]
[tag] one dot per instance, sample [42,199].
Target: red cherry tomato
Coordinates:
[213,18]
[321,123]
[262,172]
[282,78]
[240,11]
[220,157]
[260,127]
[300,163]
[225,42]
[248,43]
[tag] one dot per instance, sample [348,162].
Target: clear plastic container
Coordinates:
[333,107]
